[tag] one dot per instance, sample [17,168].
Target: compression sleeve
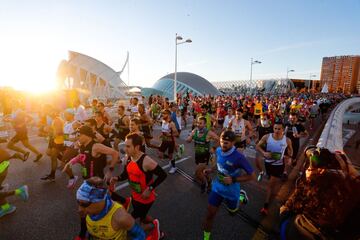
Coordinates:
[136,232]
[161,175]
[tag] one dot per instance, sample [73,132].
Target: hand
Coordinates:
[228,180]
[108,176]
[296,135]
[283,209]
[248,141]
[113,180]
[146,194]
[267,155]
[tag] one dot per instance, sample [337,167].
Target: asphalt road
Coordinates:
[51,212]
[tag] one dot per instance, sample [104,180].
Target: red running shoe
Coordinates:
[155,234]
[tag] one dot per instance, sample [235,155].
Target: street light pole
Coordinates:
[177,38]
[252,62]
[287,72]
[311,76]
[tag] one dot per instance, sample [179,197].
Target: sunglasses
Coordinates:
[84,204]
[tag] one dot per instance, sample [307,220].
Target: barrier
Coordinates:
[332,137]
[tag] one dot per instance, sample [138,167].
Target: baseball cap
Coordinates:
[228,136]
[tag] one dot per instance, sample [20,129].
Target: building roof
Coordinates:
[193,81]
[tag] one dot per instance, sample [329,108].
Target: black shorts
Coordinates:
[221,121]
[167,145]
[256,116]
[52,144]
[202,158]
[240,144]
[140,210]
[274,170]
[20,136]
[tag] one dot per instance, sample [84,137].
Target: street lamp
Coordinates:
[311,76]
[251,66]
[178,41]
[287,72]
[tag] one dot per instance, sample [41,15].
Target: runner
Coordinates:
[122,126]
[228,118]
[20,119]
[226,186]
[239,126]
[56,143]
[202,137]
[263,129]
[105,219]
[103,128]
[139,171]
[273,146]
[105,115]
[80,113]
[22,192]
[168,134]
[146,124]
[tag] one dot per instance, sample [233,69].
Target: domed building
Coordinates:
[186,82]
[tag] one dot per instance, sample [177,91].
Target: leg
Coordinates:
[11,146]
[26,143]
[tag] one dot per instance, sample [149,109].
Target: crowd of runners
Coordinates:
[102,143]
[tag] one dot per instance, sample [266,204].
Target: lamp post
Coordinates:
[252,62]
[311,76]
[287,72]
[178,41]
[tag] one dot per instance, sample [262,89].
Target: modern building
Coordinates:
[91,77]
[341,73]
[186,82]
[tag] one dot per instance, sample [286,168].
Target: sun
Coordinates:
[29,64]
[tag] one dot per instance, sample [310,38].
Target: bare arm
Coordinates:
[250,129]
[261,143]
[191,135]
[175,133]
[102,149]
[289,147]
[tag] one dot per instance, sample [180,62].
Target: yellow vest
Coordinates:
[102,229]
[258,109]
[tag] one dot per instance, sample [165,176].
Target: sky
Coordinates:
[283,34]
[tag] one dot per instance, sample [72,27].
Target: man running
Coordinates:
[273,146]
[139,171]
[168,134]
[263,129]
[122,125]
[22,192]
[202,136]
[226,186]
[20,119]
[239,126]
[146,124]
[105,219]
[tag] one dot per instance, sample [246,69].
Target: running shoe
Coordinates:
[264,211]
[26,156]
[173,170]
[38,157]
[72,182]
[9,210]
[243,197]
[155,233]
[23,193]
[261,174]
[49,178]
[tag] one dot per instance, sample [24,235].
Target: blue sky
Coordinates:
[35,36]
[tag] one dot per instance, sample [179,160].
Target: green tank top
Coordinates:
[201,145]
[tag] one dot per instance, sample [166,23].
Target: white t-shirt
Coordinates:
[80,114]
[227,121]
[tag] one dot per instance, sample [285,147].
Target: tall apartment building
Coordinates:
[341,73]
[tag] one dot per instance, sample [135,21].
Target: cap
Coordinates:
[86,130]
[228,136]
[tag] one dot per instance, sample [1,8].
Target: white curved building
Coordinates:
[91,76]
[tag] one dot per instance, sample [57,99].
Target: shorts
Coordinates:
[240,144]
[167,145]
[19,136]
[216,199]
[256,116]
[202,158]
[274,170]
[52,144]
[140,210]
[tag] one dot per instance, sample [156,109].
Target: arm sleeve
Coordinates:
[136,232]
[161,175]
[244,164]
